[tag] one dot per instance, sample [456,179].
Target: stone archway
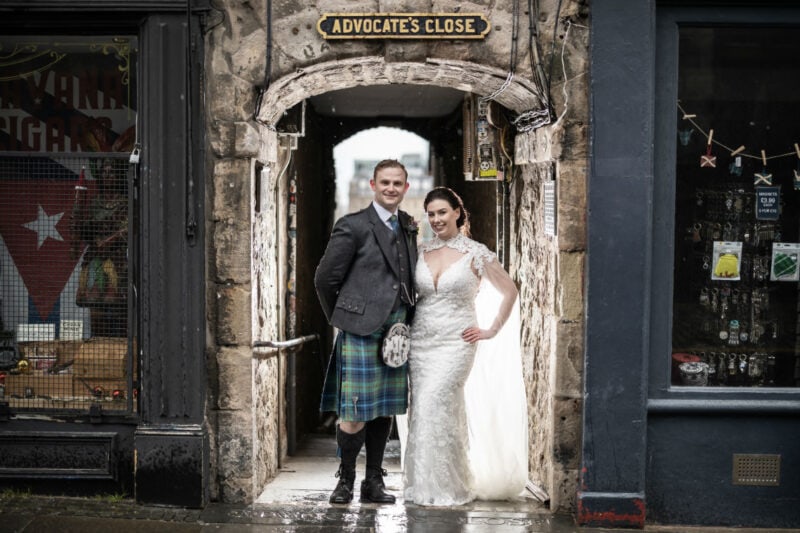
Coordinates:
[519,96]
[538,262]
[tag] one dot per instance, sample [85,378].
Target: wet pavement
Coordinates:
[296,501]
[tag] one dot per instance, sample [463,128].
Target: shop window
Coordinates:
[67,129]
[737,242]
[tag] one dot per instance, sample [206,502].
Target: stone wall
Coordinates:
[244,299]
[550,269]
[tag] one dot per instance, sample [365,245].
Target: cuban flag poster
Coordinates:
[67,108]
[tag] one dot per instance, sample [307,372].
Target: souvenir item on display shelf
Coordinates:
[784,261]
[708,160]
[9,355]
[694,374]
[726,261]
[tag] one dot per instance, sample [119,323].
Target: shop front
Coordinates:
[98,219]
[695,163]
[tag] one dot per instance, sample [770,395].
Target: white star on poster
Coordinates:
[45,226]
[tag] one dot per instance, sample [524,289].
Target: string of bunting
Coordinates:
[709,160]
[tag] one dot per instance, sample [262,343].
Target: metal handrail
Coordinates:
[291,343]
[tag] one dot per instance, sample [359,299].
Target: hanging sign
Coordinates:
[403,26]
[768,203]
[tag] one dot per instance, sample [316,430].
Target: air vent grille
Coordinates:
[761,470]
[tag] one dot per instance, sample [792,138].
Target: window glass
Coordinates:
[67,128]
[735,312]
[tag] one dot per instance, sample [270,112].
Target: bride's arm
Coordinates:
[494,273]
[499,278]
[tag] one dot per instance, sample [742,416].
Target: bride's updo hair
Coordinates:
[449,195]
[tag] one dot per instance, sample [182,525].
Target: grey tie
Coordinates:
[393,222]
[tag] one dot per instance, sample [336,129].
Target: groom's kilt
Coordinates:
[358,386]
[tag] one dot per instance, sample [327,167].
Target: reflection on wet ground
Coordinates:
[300,492]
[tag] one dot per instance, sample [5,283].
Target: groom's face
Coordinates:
[389,185]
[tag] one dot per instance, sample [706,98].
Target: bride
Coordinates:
[467,431]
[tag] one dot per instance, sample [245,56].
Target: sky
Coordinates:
[377,143]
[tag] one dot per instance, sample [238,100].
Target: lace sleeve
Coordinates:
[489,268]
[481,255]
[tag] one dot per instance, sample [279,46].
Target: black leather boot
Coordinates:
[350,446]
[372,488]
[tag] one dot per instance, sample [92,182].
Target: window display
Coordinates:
[735,300]
[67,130]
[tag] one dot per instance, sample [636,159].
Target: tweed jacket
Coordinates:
[358,278]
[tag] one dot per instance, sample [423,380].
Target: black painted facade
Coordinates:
[159,452]
[653,453]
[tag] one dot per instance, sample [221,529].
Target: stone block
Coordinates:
[568,380]
[247,140]
[567,432]
[534,146]
[571,200]
[230,97]
[222,138]
[248,60]
[564,490]
[231,252]
[570,297]
[232,189]
[233,314]
[235,374]
[235,461]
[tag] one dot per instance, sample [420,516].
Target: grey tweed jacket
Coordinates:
[358,277]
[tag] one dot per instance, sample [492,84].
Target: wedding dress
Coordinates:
[459,449]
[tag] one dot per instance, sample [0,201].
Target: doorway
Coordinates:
[318,125]
[315,202]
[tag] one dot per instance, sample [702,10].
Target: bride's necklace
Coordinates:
[460,242]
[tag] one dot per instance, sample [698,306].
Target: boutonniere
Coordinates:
[412,226]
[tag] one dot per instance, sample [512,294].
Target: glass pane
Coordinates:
[67,127]
[735,319]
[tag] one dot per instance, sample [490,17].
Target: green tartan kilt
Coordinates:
[359,387]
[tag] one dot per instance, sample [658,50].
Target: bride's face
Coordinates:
[442,218]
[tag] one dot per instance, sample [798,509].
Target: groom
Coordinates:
[365,283]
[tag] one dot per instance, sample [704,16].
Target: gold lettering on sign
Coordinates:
[403,26]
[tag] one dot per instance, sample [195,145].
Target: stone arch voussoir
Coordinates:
[520,95]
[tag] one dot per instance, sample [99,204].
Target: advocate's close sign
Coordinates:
[403,26]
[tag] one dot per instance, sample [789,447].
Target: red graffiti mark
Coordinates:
[612,518]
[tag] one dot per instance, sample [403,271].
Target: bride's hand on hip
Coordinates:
[474,334]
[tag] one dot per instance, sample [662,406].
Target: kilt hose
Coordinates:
[359,387]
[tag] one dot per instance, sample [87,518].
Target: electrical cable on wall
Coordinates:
[512,63]
[268,67]
[535,118]
[564,70]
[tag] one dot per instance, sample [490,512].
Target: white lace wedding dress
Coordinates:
[438,466]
